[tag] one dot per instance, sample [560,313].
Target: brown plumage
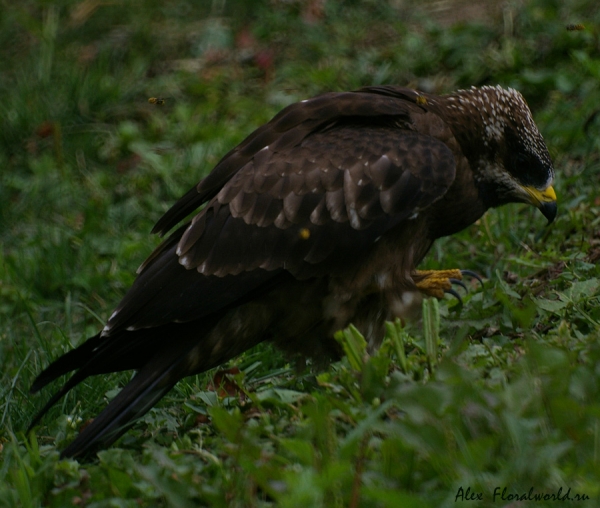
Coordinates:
[318,219]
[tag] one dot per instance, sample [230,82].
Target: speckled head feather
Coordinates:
[500,124]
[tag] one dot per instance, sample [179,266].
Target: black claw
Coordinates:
[455,295]
[472,274]
[459,283]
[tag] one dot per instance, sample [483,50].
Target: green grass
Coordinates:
[508,396]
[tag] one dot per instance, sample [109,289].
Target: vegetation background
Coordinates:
[508,395]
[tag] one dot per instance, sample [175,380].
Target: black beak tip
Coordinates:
[549,210]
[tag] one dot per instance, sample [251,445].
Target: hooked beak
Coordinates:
[544,200]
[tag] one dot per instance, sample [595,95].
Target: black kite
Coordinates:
[318,219]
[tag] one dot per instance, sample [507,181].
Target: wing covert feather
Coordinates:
[353,191]
[304,194]
[288,128]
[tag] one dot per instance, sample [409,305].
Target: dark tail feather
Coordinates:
[149,385]
[73,381]
[99,355]
[72,360]
[89,358]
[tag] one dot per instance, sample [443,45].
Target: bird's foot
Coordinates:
[438,282]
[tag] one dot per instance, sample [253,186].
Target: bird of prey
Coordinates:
[318,219]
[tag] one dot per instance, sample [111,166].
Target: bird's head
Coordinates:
[506,150]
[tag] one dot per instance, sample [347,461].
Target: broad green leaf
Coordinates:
[550,305]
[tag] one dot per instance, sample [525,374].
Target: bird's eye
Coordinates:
[523,159]
[528,168]
[525,165]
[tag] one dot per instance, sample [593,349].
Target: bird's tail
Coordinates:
[96,356]
[150,383]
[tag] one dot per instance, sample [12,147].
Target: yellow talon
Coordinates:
[436,282]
